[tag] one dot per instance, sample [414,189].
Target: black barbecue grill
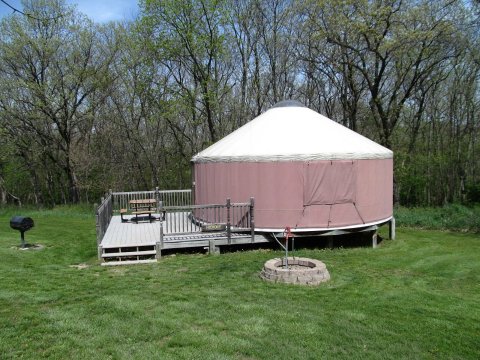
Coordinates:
[22,224]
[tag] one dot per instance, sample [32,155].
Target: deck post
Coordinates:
[252,219]
[159,245]
[99,252]
[391,229]
[99,234]
[110,193]
[330,242]
[212,249]
[229,229]
[157,200]
[374,239]
[98,226]
[192,191]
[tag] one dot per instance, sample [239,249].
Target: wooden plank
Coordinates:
[184,245]
[130,234]
[205,242]
[131,253]
[143,202]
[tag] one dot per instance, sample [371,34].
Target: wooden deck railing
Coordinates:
[167,197]
[176,197]
[103,215]
[229,217]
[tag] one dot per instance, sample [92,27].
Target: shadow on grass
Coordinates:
[356,240]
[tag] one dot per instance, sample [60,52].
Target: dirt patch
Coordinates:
[29,247]
[80,266]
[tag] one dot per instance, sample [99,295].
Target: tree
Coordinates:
[188,37]
[395,47]
[50,70]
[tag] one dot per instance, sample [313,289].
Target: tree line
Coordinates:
[87,107]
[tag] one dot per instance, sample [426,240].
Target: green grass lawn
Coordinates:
[449,217]
[415,297]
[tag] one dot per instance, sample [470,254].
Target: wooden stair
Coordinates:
[124,255]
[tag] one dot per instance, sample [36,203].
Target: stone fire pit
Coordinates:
[301,271]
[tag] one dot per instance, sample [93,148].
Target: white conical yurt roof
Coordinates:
[291,132]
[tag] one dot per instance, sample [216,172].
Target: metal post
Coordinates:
[22,237]
[229,230]
[252,218]
[283,247]
[391,229]
[293,247]
[286,252]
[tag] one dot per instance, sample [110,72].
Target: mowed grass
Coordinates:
[415,297]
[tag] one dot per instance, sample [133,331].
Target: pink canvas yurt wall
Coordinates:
[303,169]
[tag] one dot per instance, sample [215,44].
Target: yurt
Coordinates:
[304,171]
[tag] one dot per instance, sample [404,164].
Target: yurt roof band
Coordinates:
[293,157]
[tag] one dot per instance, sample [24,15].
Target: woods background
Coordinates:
[87,107]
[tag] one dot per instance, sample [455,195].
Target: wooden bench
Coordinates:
[143,212]
[123,212]
[139,212]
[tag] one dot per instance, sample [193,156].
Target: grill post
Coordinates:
[22,237]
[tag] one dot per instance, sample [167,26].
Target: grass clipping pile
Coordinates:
[301,271]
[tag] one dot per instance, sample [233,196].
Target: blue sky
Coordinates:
[100,11]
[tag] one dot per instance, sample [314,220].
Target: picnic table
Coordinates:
[143,207]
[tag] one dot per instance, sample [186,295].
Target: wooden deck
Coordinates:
[128,242]
[130,234]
